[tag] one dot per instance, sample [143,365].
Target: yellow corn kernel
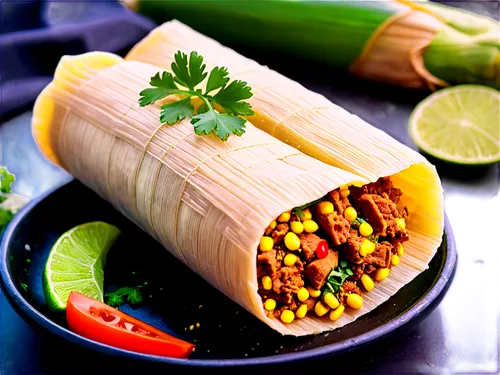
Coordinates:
[266,243]
[292,242]
[357,183]
[400,250]
[307,214]
[344,187]
[395,260]
[365,229]
[301,311]
[367,282]
[350,214]
[287,316]
[382,273]
[284,217]
[400,222]
[320,309]
[267,283]
[344,193]
[302,294]
[270,304]
[325,207]
[314,293]
[331,300]
[297,227]
[335,314]
[310,226]
[290,259]
[355,301]
[273,224]
[367,247]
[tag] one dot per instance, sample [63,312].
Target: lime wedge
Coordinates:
[460,124]
[76,262]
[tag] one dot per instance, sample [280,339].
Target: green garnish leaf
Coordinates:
[217,79]
[190,72]
[24,286]
[6,216]
[336,278]
[130,295]
[176,111]
[224,124]
[358,221]
[151,95]
[204,123]
[163,86]
[299,211]
[6,179]
[165,80]
[236,108]
[114,300]
[134,297]
[228,124]
[230,98]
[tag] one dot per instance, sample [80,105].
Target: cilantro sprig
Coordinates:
[299,211]
[130,295]
[6,180]
[336,278]
[188,73]
[10,203]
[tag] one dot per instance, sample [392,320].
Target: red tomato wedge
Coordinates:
[99,322]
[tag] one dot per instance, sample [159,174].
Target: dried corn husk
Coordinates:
[206,201]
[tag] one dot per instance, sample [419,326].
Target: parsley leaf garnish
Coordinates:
[299,211]
[357,222]
[374,237]
[130,295]
[174,112]
[217,79]
[6,216]
[6,179]
[336,278]
[188,73]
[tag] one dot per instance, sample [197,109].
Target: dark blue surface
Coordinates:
[466,343]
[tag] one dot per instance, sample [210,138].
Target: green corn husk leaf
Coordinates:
[466,50]
[331,32]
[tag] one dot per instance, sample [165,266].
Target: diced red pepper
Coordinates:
[322,249]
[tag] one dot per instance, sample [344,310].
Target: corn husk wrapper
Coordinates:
[208,202]
[316,126]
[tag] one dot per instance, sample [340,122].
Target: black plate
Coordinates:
[180,298]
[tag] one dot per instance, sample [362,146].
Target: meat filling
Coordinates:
[311,260]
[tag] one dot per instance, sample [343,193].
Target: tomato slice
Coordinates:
[100,322]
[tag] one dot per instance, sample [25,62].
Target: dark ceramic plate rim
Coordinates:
[30,314]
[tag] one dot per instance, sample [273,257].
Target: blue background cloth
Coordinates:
[35,34]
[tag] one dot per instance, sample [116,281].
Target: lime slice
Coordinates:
[460,124]
[76,262]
